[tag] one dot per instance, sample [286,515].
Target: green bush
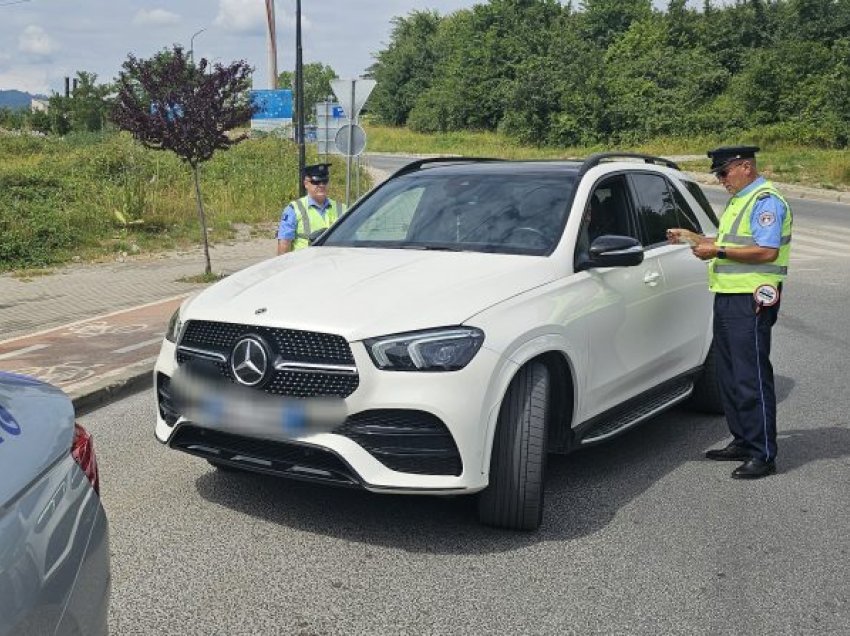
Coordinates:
[90,194]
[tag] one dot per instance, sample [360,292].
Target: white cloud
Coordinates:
[35,41]
[26,78]
[242,16]
[155,17]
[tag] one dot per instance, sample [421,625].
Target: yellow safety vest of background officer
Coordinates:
[748,262]
[316,211]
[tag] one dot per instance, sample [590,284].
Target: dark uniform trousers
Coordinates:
[745,375]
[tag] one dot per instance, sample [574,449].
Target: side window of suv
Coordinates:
[658,208]
[608,211]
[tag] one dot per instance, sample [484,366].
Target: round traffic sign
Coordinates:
[350,140]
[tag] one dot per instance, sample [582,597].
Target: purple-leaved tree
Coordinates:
[169,102]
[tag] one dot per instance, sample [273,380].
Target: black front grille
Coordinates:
[289,344]
[405,440]
[286,459]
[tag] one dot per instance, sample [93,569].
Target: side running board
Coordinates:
[636,411]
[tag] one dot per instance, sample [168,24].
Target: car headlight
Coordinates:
[172,333]
[447,349]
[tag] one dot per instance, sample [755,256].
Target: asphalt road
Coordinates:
[641,536]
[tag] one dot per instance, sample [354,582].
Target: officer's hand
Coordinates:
[681,235]
[704,251]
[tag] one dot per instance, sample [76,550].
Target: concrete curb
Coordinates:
[112,389]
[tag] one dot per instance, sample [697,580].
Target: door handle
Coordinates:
[651,278]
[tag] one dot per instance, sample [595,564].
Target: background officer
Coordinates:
[316,211]
[748,260]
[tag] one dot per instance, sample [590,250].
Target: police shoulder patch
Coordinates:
[766,219]
[764,195]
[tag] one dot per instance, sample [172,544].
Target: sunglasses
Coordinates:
[319,181]
[721,174]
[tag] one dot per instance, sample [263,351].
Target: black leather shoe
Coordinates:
[754,469]
[731,453]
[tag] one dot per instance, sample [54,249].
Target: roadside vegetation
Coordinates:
[101,196]
[782,161]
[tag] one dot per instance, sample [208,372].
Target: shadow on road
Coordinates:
[584,491]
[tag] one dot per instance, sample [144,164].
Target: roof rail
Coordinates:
[419,163]
[599,157]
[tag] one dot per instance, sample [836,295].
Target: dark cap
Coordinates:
[317,172]
[723,155]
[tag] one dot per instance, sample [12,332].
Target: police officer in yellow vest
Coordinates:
[748,260]
[316,211]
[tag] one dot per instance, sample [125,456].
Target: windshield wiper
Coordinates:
[434,248]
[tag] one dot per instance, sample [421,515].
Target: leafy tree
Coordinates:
[170,103]
[317,85]
[405,69]
[85,110]
[605,20]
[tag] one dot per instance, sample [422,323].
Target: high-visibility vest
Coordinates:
[726,276]
[308,220]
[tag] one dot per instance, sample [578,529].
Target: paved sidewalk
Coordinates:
[94,330]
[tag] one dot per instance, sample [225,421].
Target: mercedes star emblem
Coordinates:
[249,361]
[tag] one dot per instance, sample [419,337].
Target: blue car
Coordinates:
[54,537]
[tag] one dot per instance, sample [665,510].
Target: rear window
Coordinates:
[519,213]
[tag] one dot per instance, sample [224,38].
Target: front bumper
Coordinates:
[454,413]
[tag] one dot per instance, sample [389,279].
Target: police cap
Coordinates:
[317,173]
[722,156]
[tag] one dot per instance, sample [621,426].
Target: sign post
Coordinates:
[352,95]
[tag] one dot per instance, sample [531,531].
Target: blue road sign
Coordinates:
[337,112]
[272,104]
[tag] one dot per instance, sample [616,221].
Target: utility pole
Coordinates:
[299,97]
[272,44]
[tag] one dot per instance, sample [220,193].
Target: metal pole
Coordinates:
[299,97]
[192,44]
[327,128]
[272,44]
[350,146]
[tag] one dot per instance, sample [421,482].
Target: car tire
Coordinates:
[514,497]
[706,395]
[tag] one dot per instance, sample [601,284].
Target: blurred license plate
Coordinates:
[249,411]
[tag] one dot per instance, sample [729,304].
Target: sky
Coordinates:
[42,41]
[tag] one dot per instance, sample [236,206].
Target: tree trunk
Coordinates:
[200,201]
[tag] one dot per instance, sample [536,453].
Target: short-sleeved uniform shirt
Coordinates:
[766,218]
[288,226]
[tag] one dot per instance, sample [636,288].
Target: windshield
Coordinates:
[501,212]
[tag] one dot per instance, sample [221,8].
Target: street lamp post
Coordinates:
[299,97]
[192,44]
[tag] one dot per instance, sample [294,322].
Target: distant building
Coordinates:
[38,105]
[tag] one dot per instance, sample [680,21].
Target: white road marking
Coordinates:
[19,352]
[138,345]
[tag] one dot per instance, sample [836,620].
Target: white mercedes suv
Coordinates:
[464,319]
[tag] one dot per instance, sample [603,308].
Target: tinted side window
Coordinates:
[699,195]
[657,208]
[608,211]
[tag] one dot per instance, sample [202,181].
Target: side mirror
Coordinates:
[609,250]
[314,236]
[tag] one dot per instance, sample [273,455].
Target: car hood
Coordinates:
[363,292]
